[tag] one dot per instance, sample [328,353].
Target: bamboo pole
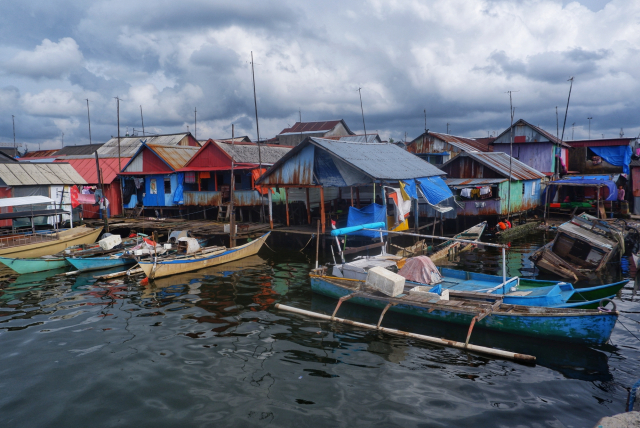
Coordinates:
[308,205]
[322,214]
[521,358]
[317,244]
[286,203]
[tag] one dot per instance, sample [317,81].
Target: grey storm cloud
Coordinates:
[453,60]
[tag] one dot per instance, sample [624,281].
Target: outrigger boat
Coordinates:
[199,258]
[448,247]
[515,290]
[582,326]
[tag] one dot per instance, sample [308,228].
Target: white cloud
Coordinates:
[49,59]
[52,102]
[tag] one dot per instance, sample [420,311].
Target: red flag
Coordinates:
[74,196]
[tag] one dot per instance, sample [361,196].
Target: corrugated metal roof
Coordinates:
[248,152]
[323,126]
[39,154]
[501,163]
[175,156]
[462,182]
[84,149]
[359,138]
[32,174]
[552,138]
[87,168]
[465,144]
[130,145]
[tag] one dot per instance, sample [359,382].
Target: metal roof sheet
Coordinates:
[84,149]
[25,200]
[501,163]
[87,168]
[129,146]
[39,154]
[322,126]
[455,182]
[175,156]
[248,152]
[465,144]
[552,138]
[32,174]
[379,160]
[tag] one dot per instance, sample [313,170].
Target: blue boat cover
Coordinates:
[373,213]
[613,192]
[615,155]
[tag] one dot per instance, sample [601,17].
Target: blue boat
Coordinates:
[38,264]
[98,263]
[581,326]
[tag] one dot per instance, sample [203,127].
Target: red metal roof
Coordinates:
[87,168]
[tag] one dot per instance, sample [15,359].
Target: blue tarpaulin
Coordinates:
[433,188]
[373,213]
[615,155]
[178,197]
[613,191]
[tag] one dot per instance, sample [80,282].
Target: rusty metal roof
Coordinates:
[39,174]
[466,182]
[40,154]
[501,163]
[129,146]
[464,144]
[175,156]
[322,126]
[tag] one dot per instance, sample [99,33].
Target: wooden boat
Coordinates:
[40,264]
[205,257]
[582,246]
[98,263]
[581,326]
[528,292]
[444,249]
[45,244]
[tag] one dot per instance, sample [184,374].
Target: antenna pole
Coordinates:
[89,118]
[567,110]
[255,103]
[590,126]
[362,110]
[195,125]
[142,118]
[232,213]
[511,110]
[118,112]
[13,120]
[62,139]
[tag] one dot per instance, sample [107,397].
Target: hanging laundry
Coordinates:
[405,195]
[402,207]
[484,190]
[475,193]
[190,177]
[138,182]
[465,193]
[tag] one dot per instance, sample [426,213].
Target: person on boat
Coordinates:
[508,223]
[502,225]
[620,195]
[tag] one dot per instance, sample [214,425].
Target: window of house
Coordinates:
[167,186]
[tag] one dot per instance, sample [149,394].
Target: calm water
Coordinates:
[207,349]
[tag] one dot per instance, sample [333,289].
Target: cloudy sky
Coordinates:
[456,59]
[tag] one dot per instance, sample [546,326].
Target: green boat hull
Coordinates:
[40,264]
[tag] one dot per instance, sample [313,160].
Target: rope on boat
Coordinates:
[632,396]
[313,235]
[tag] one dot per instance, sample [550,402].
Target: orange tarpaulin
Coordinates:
[255,174]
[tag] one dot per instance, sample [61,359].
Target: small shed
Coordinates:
[534,147]
[32,179]
[151,176]
[208,174]
[482,186]
[439,148]
[322,164]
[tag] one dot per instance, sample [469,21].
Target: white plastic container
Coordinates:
[385,281]
[110,241]
[167,246]
[227,228]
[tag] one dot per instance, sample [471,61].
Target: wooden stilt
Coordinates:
[351,188]
[270,209]
[322,214]
[308,206]
[286,203]
[358,196]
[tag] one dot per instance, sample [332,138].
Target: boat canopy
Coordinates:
[589,182]
[25,200]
